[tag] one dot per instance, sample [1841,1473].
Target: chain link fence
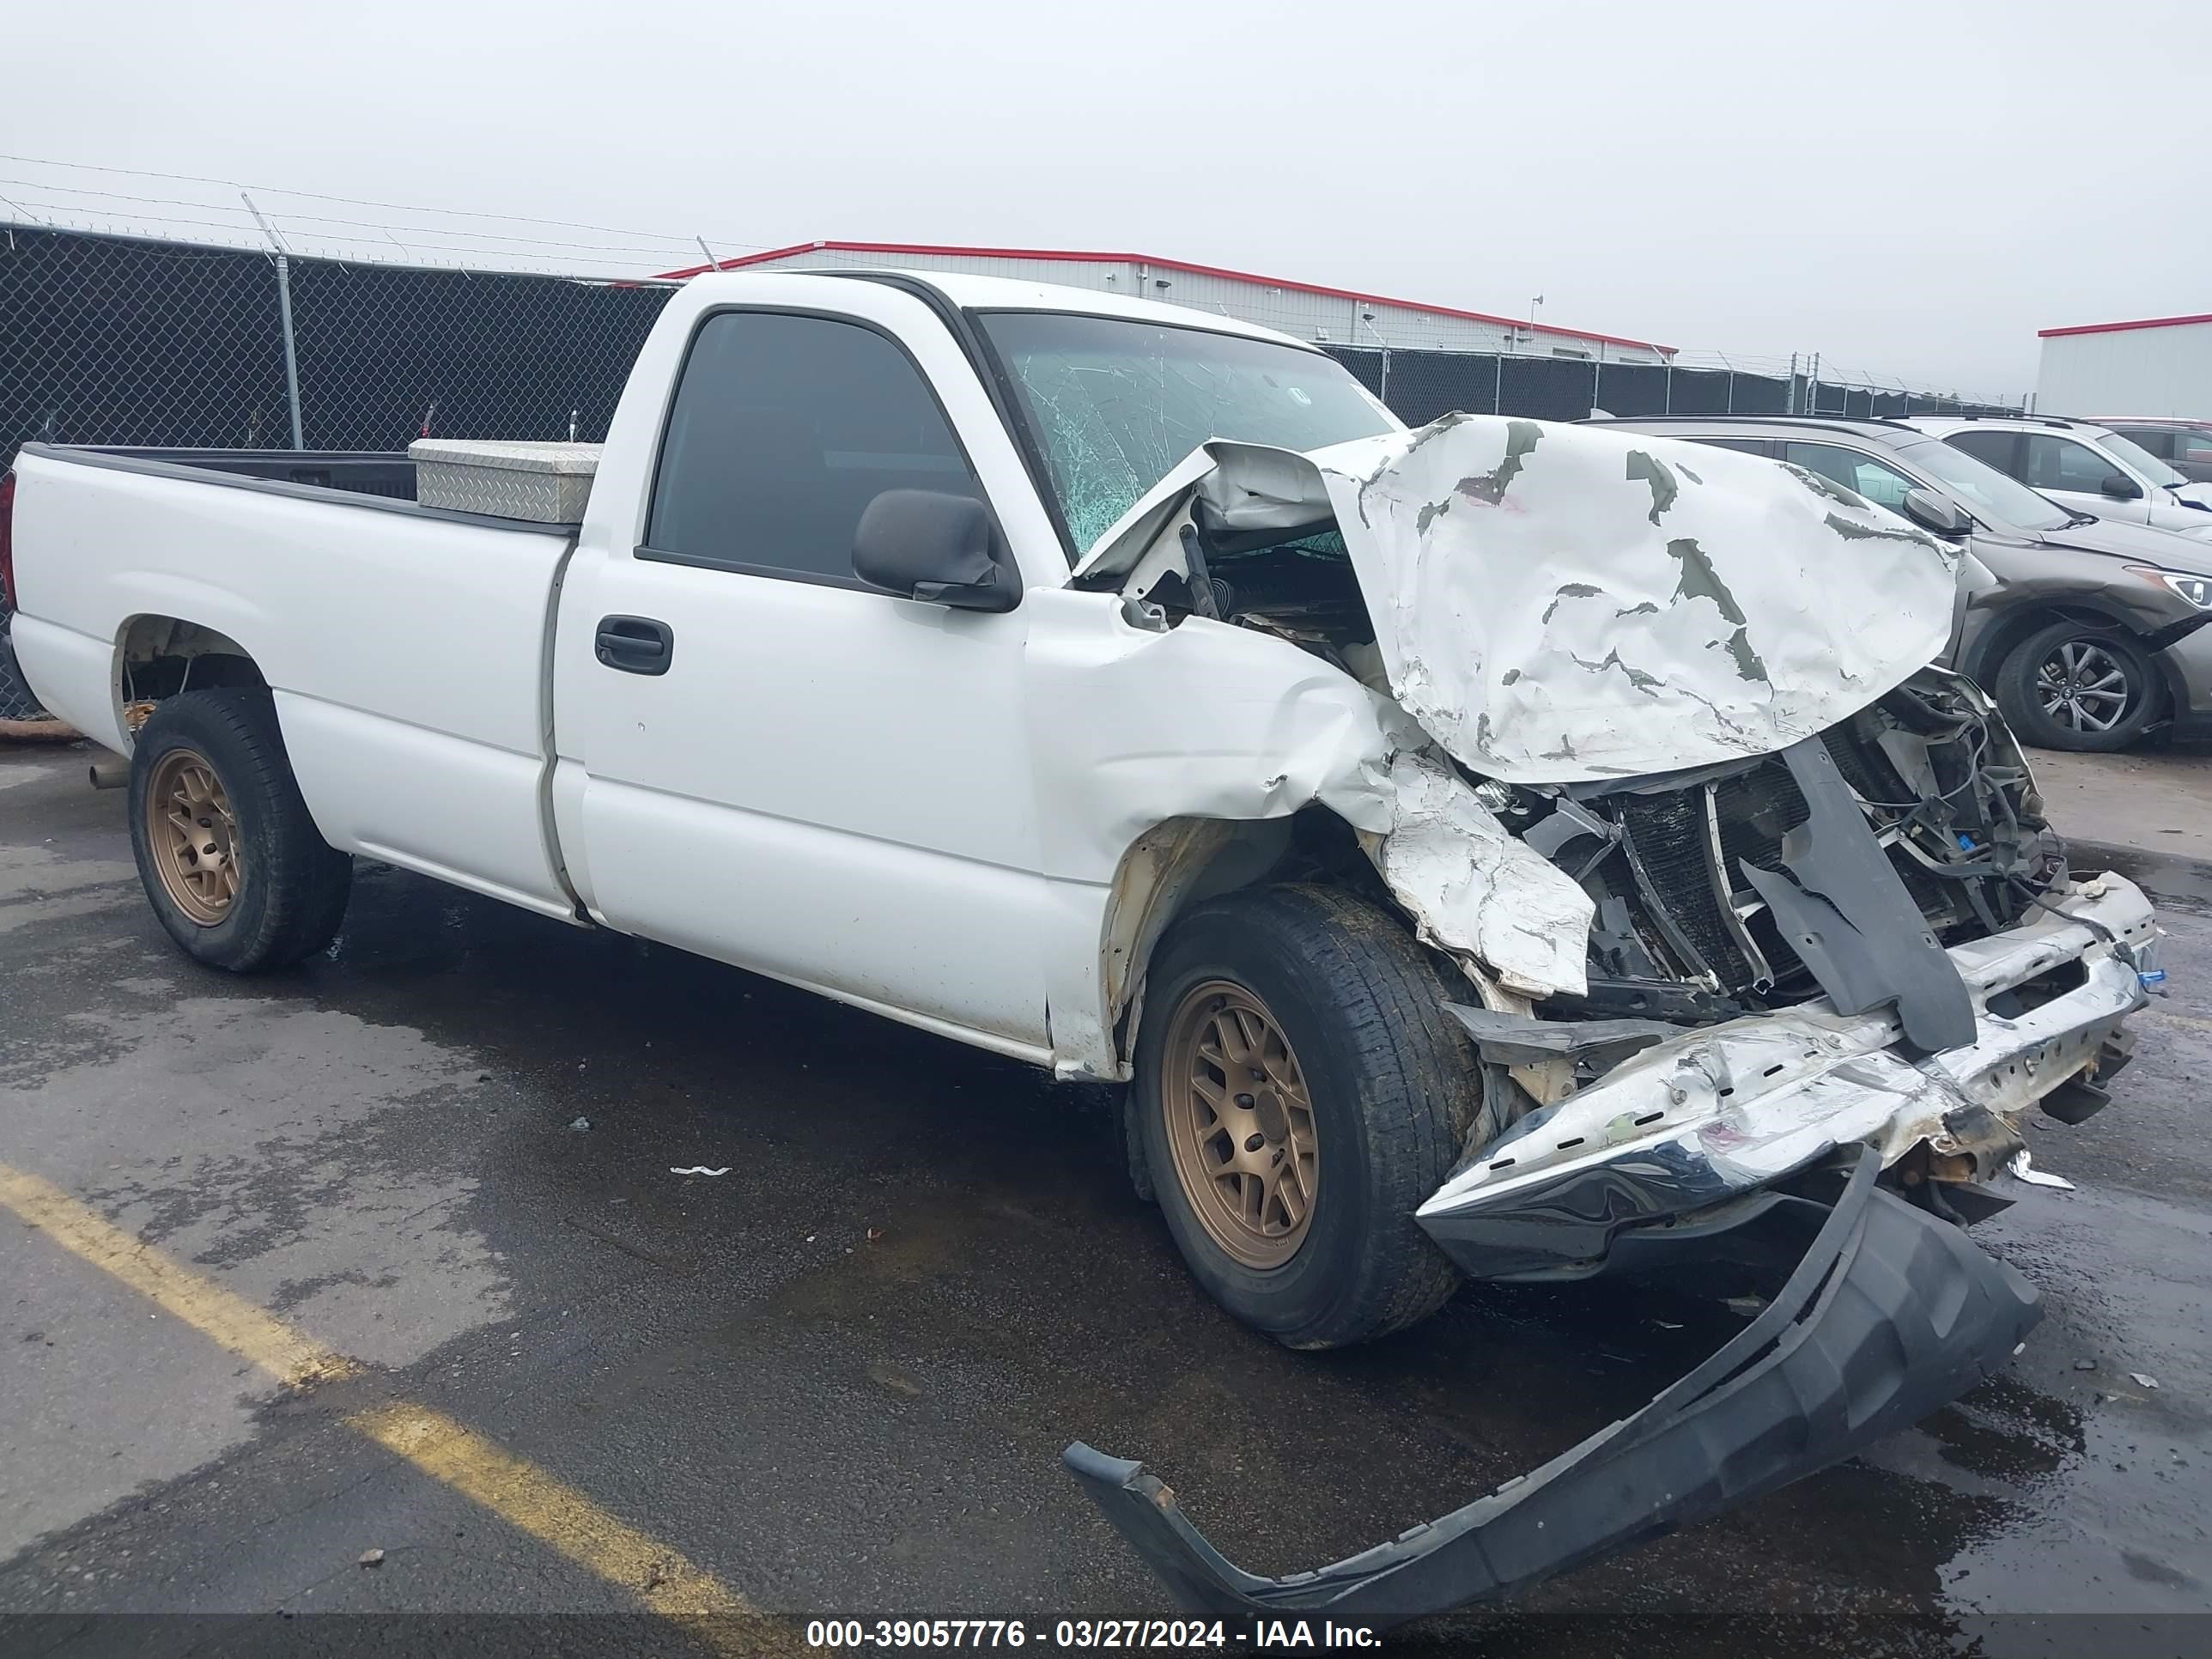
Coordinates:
[108,340]
[387,353]
[1419,386]
[113,340]
[122,341]
[116,341]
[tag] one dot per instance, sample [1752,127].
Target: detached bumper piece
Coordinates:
[1891,1314]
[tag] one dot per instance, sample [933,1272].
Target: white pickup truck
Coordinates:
[1496,849]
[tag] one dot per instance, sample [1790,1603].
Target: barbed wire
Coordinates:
[390,207]
[132,201]
[244,220]
[248,236]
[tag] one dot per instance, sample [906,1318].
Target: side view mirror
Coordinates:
[1932,512]
[926,544]
[2120,487]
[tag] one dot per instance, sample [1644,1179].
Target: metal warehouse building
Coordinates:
[2161,365]
[1326,316]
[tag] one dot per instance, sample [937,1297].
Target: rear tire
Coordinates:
[230,859]
[2078,685]
[1293,1204]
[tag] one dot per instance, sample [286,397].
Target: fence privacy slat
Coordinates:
[115,340]
[105,340]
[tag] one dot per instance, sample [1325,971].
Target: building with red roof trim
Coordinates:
[1309,311]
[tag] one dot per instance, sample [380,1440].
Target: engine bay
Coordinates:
[1687,870]
[1684,929]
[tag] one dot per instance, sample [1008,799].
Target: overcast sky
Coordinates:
[1911,189]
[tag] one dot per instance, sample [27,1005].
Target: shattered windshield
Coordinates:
[1114,404]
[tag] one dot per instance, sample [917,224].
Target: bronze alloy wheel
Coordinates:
[193,835]
[1239,1124]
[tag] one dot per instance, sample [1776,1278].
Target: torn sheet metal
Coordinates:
[1561,604]
[1131,809]
[1723,1112]
[2023,1167]
[1244,486]
[1472,887]
[1524,1040]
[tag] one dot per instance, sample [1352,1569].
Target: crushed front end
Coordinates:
[1825,985]
[1768,947]
[1871,939]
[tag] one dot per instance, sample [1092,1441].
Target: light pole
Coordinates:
[1384,390]
[1533,304]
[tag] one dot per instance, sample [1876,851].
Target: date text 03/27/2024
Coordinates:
[1262,1635]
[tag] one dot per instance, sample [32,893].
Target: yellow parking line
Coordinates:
[526,1497]
[516,1491]
[290,1355]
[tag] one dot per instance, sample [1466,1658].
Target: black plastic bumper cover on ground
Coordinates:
[1891,1314]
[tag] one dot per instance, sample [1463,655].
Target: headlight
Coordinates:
[2198,590]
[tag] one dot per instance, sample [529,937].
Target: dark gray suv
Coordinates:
[2089,633]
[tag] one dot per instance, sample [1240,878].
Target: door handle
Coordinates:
[635,644]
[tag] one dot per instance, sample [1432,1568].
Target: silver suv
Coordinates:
[2089,633]
[2090,469]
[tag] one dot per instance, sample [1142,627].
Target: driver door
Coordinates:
[2077,475]
[783,767]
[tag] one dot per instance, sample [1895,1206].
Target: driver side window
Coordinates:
[2055,463]
[784,428]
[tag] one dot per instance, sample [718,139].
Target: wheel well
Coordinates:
[158,657]
[2009,631]
[1180,861]
[2014,627]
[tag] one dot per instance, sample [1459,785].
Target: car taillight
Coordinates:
[8,538]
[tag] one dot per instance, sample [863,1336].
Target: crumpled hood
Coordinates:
[1556,603]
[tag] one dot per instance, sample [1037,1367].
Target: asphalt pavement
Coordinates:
[836,1379]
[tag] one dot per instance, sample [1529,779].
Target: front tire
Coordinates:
[230,859]
[1299,1091]
[2081,686]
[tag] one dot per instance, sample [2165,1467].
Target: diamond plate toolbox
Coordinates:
[544,483]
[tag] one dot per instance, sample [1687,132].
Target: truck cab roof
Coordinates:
[972,292]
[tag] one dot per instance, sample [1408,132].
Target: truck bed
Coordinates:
[387,473]
[406,646]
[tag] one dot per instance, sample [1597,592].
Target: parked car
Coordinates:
[2092,631]
[2090,469]
[1501,848]
[2184,445]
